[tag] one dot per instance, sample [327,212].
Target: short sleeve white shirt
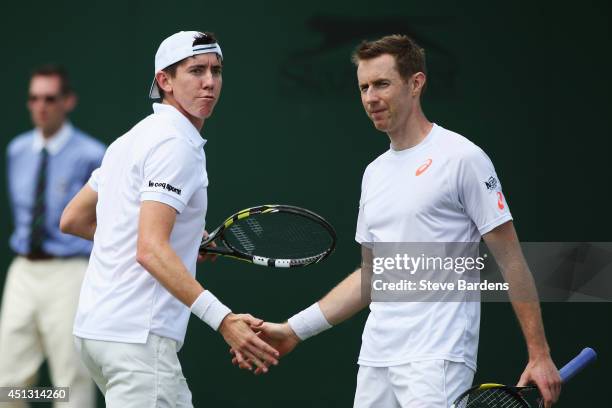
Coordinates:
[160,159]
[444,189]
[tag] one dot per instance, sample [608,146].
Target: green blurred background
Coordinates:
[527,81]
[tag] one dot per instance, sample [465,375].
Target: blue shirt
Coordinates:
[73,155]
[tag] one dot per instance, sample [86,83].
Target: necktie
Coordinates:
[37,233]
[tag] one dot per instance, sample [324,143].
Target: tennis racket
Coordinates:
[280,236]
[499,395]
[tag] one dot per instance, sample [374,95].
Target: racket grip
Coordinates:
[577,364]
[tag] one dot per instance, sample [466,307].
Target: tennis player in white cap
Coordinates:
[144,208]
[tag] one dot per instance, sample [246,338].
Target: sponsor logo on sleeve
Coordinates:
[165,186]
[500,200]
[491,183]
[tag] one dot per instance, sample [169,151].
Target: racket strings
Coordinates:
[279,236]
[491,398]
[255,226]
[242,237]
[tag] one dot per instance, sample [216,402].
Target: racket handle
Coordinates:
[586,357]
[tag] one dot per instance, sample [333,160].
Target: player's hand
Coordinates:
[279,336]
[542,372]
[237,332]
[207,257]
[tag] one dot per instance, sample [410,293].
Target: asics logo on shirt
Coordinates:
[423,167]
[500,200]
[166,186]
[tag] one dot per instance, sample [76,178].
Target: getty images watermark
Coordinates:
[422,264]
[455,272]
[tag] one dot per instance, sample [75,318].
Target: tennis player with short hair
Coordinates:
[145,208]
[428,187]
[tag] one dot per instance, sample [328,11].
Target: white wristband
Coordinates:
[208,308]
[309,322]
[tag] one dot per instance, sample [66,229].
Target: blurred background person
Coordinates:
[46,167]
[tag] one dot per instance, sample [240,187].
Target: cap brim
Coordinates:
[154,91]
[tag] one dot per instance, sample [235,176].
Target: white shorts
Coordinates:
[132,375]
[420,384]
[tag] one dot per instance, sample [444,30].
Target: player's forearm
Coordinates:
[80,229]
[345,300]
[526,304]
[503,243]
[530,319]
[525,301]
[338,305]
[79,216]
[161,261]
[87,231]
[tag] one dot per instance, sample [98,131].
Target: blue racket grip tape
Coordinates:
[586,357]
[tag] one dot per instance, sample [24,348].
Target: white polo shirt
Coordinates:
[442,190]
[160,159]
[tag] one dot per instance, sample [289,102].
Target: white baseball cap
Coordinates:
[177,47]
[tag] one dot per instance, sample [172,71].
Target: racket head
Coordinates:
[489,395]
[274,235]
[493,396]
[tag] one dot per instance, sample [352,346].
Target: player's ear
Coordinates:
[418,82]
[164,82]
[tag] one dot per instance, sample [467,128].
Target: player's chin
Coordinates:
[381,125]
[205,112]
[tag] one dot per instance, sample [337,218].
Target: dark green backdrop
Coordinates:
[527,82]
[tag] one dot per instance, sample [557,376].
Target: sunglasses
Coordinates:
[50,99]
